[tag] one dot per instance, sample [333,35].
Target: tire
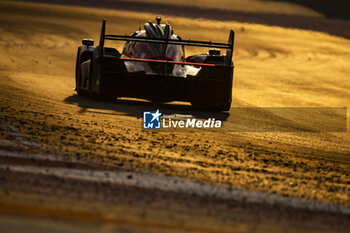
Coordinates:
[77,65]
[200,102]
[78,88]
[201,99]
[97,96]
[78,77]
[225,107]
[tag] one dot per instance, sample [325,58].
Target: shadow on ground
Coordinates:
[135,108]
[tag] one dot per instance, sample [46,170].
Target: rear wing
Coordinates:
[228,46]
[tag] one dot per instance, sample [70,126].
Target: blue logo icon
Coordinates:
[151,120]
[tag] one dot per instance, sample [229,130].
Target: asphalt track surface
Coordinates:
[41,117]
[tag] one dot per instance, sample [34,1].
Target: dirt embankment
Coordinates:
[289,16]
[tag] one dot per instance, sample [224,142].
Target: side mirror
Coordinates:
[88,42]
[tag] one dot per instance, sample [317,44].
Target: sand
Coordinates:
[275,67]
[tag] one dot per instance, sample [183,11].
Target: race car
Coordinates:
[153,66]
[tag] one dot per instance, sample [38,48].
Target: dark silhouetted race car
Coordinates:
[153,66]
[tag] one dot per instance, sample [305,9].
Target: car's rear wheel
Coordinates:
[77,65]
[204,99]
[93,95]
[81,84]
